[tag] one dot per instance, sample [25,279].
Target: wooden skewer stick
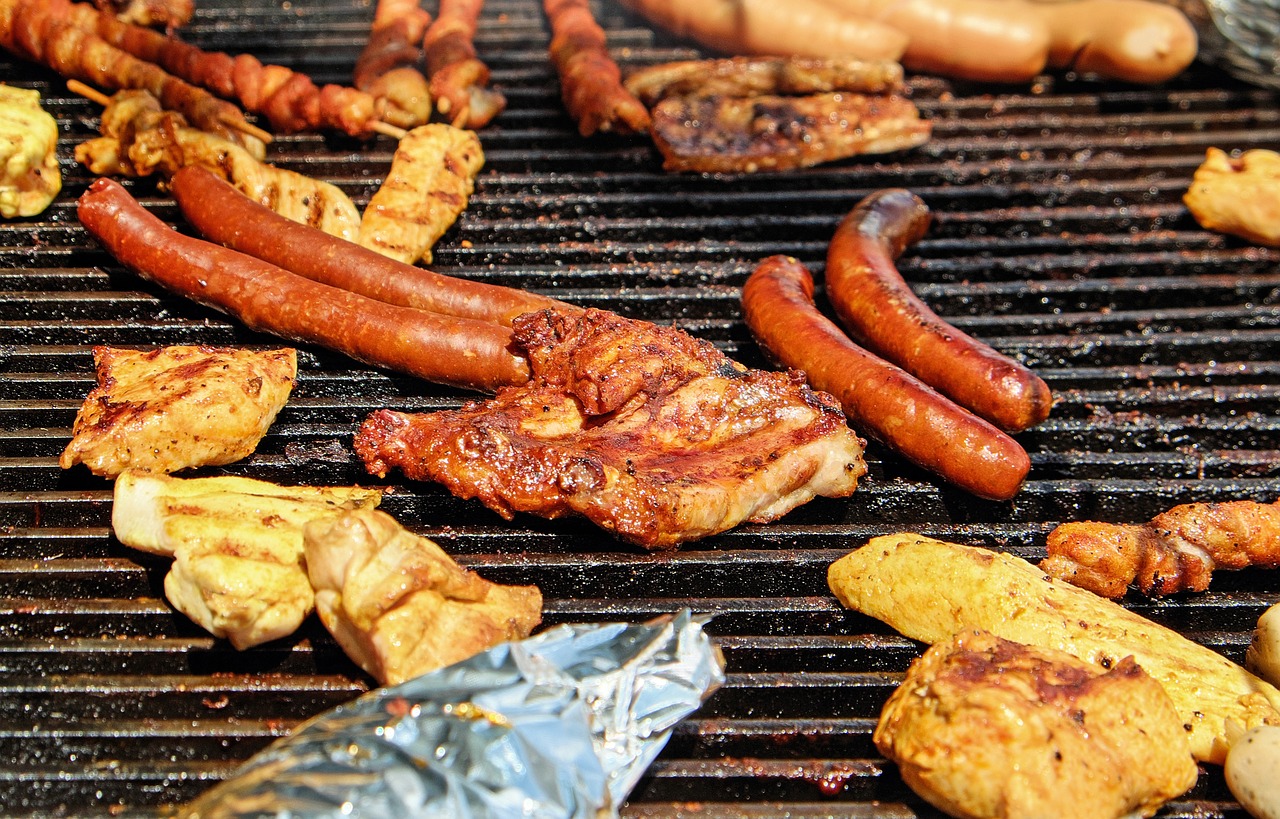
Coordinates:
[387,129]
[94,95]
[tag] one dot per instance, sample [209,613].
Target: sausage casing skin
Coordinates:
[880,400]
[879,310]
[224,215]
[444,349]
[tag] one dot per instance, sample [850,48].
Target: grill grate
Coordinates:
[1059,236]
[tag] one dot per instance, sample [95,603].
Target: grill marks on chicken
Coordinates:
[399,606]
[644,430]
[431,178]
[178,407]
[1175,551]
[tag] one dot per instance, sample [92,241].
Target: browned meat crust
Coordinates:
[1175,551]
[459,80]
[388,66]
[644,430]
[721,134]
[590,81]
[752,76]
[984,727]
[168,14]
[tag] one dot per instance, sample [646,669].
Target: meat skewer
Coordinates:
[224,215]
[167,13]
[40,31]
[387,68]
[1175,551]
[590,81]
[288,99]
[458,77]
[443,349]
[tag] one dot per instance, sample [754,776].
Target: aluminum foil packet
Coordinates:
[562,724]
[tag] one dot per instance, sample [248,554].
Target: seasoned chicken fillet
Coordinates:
[399,605]
[646,431]
[1238,196]
[985,727]
[178,407]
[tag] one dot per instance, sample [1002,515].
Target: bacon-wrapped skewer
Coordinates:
[167,13]
[41,31]
[288,99]
[459,81]
[590,81]
[388,66]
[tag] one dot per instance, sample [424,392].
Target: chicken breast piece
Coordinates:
[399,605]
[929,590]
[177,407]
[30,177]
[985,727]
[1238,196]
[237,546]
[644,430]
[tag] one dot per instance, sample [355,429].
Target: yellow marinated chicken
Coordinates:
[177,407]
[1238,196]
[432,175]
[140,138]
[983,727]
[236,543]
[929,590]
[31,178]
[399,605]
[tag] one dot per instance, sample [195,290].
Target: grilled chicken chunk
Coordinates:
[432,175]
[646,431]
[985,727]
[1238,196]
[30,178]
[140,138]
[178,407]
[399,605]
[726,134]
[754,76]
[237,546]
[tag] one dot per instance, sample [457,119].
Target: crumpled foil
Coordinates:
[1240,36]
[562,724]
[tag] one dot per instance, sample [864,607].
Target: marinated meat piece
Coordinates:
[141,139]
[986,727]
[168,14]
[1175,551]
[646,431]
[432,176]
[388,66]
[237,545]
[459,80]
[399,605]
[590,81]
[177,407]
[30,178]
[1238,196]
[754,76]
[721,134]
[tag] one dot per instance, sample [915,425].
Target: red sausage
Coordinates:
[879,310]
[445,349]
[225,215]
[880,400]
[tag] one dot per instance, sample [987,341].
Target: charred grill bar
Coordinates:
[1059,236]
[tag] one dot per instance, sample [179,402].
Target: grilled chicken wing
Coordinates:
[399,606]
[30,178]
[727,134]
[985,727]
[644,430]
[177,407]
[432,175]
[1238,196]
[237,545]
[140,138]
[1175,551]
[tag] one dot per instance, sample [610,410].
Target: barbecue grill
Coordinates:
[1059,237]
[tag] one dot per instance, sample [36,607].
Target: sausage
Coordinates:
[880,400]
[446,349]
[879,310]
[1131,40]
[222,214]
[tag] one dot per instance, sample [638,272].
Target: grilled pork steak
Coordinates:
[646,431]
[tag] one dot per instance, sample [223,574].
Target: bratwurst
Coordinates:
[445,349]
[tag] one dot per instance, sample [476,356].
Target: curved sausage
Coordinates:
[445,349]
[879,399]
[879,310]
[223,214]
